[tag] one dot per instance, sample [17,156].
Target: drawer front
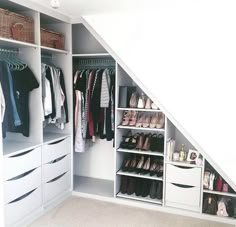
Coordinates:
[22,184]
[56,150]
[22,163]
[56,186]
[183,175]
[55,168]
[20,208]
[182,194]
[182,206]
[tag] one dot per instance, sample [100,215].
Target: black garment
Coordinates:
[8,116]
[23,83]
[63,87]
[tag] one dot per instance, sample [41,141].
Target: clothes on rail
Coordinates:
[16,83]
[54,96]
[94,109]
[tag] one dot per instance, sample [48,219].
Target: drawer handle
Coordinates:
[21,154]
[182,186]
[57,178]
[56,142]
[22,197]
[183,167]
[57,160]
[22,175]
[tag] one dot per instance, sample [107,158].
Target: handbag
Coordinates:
[206,179]
[219,184]
[210,205]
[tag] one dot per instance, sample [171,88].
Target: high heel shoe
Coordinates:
[126,117]
[148,103]
[132,165]
[141,101]
[140,142]
[153,168]
[133,141]
[140,165]
[161,121]
[125,165]
[154,107]
[146,145]
[140,120]
[160,169]
[146,122]
[154,120]
[133,118]
[146,166]
[133,100]
[126,139]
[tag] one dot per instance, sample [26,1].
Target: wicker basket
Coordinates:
[16,26]
[52,39]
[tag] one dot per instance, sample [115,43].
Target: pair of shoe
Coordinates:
[156,120]
[156,190]
[127,185]
[129,141]
[142,102]
[129,118]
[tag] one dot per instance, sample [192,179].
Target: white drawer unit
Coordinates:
[23,206]
[183,195]
[57,167]
[21,163]
[183,175]
[56,150]
[22,184]
[56,186]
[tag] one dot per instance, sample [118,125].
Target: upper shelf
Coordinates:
[92,55]
[49,50]
[11,43]
[137,109]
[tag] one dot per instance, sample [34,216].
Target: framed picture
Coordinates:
[192,156]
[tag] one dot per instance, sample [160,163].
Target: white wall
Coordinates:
[184,52]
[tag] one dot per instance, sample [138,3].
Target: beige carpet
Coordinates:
[81,212]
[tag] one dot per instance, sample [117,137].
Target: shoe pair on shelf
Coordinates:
[143,142]
[141,102]
[133,118]
[143,166]
[141,187]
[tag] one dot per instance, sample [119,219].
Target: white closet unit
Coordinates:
[43,169]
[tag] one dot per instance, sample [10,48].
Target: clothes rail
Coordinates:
[9,51]
[91,63]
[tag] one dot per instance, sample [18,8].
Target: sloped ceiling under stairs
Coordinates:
[185,57]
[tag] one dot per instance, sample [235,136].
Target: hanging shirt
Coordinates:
[3,105]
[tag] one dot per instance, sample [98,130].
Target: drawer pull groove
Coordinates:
[22,175]
[22,197]
[183,167]
[56,142]
[21,154]
[57,178]
[57,160]
[182,186]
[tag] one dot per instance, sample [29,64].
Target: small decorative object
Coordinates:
[199,161]
[182,154]
[193,156]
[225,187]
[176,156]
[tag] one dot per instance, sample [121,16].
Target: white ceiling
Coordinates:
[76,8]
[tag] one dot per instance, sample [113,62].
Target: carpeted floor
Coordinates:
[81,212]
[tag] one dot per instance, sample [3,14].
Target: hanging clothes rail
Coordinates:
[9,51]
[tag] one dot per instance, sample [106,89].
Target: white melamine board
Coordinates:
[50,137]
[84,42]
[145,176]
[97,161]
[88,185]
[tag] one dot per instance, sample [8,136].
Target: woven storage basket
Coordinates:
[52,39]
[16,26]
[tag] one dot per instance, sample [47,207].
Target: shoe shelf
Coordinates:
[139,198]
[141,128]
[145,176]
[141,152]
[138,109]
[184,164]
[219,193]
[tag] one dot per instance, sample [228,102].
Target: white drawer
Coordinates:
[22,184]
[20,208]
[56,150]
[183,175]
[21,163]
[56,186]
[56,168]
[182,194]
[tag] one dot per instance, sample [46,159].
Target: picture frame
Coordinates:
[193,156]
